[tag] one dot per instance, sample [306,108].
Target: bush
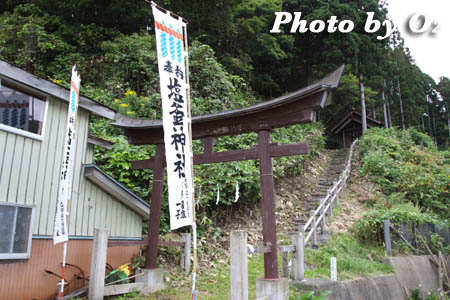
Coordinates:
[420,138]
[370,226]
[407,162]
[117,163]
[308,295]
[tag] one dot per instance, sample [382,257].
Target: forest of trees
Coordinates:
[234,61]
[46,36]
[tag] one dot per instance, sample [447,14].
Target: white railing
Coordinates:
[326,204]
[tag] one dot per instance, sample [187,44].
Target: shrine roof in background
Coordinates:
[293,108]
[356,117]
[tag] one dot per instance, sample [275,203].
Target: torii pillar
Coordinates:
[268,204]
[154,220]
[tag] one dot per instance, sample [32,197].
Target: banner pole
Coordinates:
[194,224]
[165,10]
[61,284]
[173,65]
[60,229]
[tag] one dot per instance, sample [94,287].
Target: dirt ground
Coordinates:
[350,209]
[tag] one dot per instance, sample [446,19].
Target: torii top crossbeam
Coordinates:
[294,108]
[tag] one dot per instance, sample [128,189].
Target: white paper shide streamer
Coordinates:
[60,231]
[236,194]
[218,194]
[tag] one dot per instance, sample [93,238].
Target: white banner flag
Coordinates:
[172,74]
[60,230]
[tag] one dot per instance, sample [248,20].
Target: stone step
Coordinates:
[300,221]
[333,171]
[314,201]
[336,169]
[325,184]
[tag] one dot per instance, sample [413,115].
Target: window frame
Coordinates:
[11,256]
[34,93]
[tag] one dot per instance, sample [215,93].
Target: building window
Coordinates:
[21,111]
[15,231]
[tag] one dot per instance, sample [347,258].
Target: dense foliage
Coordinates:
[105,39]
[370,226]
[407,162]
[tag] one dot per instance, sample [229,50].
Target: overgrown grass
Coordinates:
[354,258]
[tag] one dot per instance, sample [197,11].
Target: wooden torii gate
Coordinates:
[294,108]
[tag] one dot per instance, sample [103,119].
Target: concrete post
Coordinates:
[98,264]
[239,265]
[298,261]
[186,253]
[313,228]
[273,289]
[151,280]
[387,236]
[333,269]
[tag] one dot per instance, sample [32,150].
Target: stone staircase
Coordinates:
[335,167]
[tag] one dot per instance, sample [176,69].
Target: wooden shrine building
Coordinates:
[350,127]
[294,108]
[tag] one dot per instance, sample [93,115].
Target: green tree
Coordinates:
[444,90]
[25,41]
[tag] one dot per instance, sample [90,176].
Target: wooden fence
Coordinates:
[97,288]
[185,243]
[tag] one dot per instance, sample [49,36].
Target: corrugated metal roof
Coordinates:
[115,188]
[19,75]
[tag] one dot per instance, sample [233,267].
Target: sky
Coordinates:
[431,52]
